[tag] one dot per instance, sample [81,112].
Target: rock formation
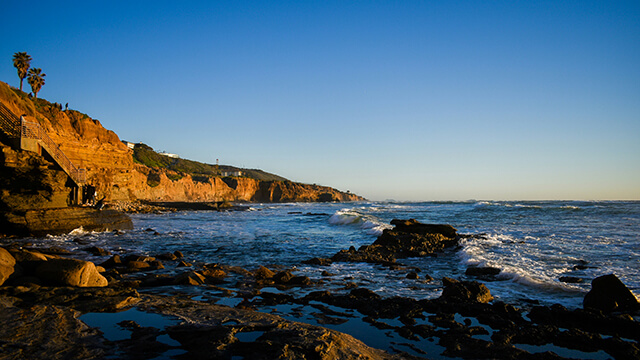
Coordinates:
[30,183]
[409,238]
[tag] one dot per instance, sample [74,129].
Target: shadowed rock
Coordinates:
[608,294]
[409,238]
[465,291]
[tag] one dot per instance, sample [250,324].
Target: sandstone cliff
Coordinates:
[111,169]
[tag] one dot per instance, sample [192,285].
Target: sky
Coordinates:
[403,100]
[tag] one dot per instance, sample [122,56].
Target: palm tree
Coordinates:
[22,61]
[36,80]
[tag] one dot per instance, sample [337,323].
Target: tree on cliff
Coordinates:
[36,80]
[21,61]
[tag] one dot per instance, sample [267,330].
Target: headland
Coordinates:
[53,159]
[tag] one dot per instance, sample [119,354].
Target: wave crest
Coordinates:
[369,223]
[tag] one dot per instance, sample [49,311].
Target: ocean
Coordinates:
[534,243]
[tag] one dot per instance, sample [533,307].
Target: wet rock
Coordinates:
[135,265]
[70,272]
[413,226]
[571,279]
[263,273]
[409,238]
[50,332]
[178,254]
[413,275]
[482,271]
[608,294]
[283,277]
[190,278]
[114,261]
[7,265]
[142,258]
[212,331]
[167,257]
[464,291]
[183,264]
[96,251]
[318,262]
[214,276]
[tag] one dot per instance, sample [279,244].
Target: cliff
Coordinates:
[110,166]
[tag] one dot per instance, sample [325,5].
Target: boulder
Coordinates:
[415,227]
[189,278]
[263,273]
[465,291]
[113,261]
[608,294]
[71,272]
[96,251]
[7,265]
[283,277]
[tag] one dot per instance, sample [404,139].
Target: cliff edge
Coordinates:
[32,181]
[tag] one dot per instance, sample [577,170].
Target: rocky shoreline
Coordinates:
[45,292]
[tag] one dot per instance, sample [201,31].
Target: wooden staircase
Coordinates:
[30,136]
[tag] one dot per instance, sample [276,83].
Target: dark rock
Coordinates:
[608,294]
[178,254]
[412,275]
[413,226]
[363,293]
[482,271]
[167,257]
[135,265]
[142,258]
[571,279]
[464,291]
[263,273]
[184,264]
[114,261]
[214,276]
[318,262]
[283,277]
[409,238]
[190,278]
[96,251]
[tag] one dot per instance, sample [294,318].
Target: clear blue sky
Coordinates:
[406,100]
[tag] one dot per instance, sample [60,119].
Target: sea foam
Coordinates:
[369,223]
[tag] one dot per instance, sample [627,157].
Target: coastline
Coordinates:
[461,327]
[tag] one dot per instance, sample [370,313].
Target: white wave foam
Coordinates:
[520,262]
[368,223]
[78,231]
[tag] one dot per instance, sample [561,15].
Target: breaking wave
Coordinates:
[369,223]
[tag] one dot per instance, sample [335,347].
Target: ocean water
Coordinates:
[533,243]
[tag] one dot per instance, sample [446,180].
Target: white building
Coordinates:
[236,173]
[175,156]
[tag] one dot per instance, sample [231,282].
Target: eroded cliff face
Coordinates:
[110,167]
